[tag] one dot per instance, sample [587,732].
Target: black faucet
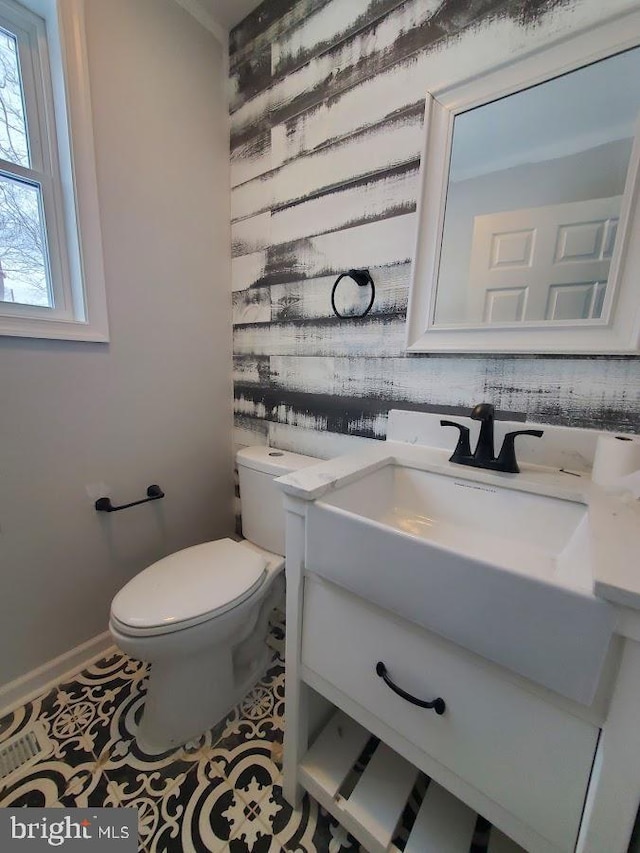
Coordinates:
[484,455]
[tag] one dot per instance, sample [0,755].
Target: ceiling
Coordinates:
[228,13]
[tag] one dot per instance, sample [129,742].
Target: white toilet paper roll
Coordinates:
[616,456]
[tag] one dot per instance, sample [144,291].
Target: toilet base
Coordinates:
[180,704]
[190,693]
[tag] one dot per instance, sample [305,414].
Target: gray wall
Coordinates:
[153,406]
[326,134]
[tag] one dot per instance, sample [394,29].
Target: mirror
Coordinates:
[525,249]
[533,201]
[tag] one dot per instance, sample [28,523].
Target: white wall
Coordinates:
[153,406]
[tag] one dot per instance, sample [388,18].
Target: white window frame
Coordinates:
[51,37]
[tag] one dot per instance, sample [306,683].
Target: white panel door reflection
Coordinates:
[542,263]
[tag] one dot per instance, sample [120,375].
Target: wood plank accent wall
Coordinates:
[326,129]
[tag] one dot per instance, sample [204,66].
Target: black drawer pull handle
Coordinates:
[438,705]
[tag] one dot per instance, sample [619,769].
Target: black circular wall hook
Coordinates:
[362,278]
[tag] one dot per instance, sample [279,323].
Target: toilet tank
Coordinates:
[261,500]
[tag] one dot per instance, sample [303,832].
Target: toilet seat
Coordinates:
[188,587]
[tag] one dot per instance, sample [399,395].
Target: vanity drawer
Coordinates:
[523,752]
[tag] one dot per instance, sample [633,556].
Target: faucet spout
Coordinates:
[484,452]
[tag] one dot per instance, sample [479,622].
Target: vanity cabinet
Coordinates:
[551,776]
[529,756]
[551,771]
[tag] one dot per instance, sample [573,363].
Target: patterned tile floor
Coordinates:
[220,793]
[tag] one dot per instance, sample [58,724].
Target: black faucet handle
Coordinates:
[463,447]
[483,412]
[507,457]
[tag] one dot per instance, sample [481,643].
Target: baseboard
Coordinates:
[63,668]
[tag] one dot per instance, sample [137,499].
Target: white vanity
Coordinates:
[504,604]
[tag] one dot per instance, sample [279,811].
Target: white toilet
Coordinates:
[200,616]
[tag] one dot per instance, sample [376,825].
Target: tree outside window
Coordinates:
[24,272]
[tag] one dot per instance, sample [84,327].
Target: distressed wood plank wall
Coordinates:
[326,132]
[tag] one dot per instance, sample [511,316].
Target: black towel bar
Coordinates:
[154,493]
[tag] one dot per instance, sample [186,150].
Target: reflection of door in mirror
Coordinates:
[535,186]
[542,263]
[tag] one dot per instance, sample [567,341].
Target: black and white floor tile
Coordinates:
[220,793]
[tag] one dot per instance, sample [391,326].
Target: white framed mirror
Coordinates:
[528,235]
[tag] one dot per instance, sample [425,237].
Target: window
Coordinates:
[51,275]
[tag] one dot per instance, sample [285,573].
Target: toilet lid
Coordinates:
[190,586]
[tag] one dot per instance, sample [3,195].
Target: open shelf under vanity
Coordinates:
[383,800]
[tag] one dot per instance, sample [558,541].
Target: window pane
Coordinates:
[13,127]
[23,254]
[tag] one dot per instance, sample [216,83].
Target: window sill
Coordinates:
[52,329]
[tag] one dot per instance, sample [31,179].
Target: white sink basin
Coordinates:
[504,573]
[524,532]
